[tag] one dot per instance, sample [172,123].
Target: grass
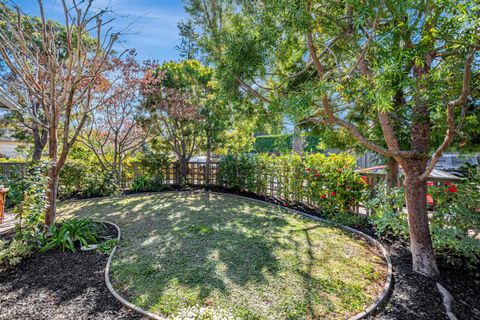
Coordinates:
[221,257]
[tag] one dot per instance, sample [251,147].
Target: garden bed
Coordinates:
[59,285]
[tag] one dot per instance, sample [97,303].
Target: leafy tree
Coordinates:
[61,73]
[114,131]
[381,69]
[188,47]
[172,100]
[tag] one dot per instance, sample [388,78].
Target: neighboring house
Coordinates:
[8,145]
[8,148]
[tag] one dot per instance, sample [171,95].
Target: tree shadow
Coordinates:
[180,249]
[198,242]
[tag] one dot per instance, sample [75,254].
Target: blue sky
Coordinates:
[154,31]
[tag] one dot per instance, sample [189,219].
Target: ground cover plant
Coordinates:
[186,252]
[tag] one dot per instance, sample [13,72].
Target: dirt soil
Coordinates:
[59,285]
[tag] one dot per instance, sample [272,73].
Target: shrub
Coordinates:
[82,180]
[73,178]
[147,183]
[290,175]
[99,185]
[454,223]
[30,211]
[388,216]
[13,253]
[71,234]
[238,173]
[331,182]
[15,182]
[153,162]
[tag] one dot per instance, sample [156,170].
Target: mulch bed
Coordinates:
[59,285]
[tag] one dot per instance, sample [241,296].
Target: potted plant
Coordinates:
[3,198]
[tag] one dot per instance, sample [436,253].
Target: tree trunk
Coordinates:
[297,141]
[40,139]
[119,173]
[423,256]
[52,177]
[207,165]
[183,171]
[392,173]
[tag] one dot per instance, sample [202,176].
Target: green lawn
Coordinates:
[234,258]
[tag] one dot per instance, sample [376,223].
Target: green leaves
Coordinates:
[71,234]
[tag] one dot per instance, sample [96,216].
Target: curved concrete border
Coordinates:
[367,312]
[113,291]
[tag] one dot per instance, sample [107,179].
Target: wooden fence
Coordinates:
[196,174]
[272,183]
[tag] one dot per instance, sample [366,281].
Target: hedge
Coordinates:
[282,143]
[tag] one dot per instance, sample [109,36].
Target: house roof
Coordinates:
[6,102]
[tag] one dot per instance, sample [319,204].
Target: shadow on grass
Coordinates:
[184,249]
[199,241]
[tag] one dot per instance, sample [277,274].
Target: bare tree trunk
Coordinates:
[40,139]
[119,173]
[183,171]
[423,256]
[52,177]
[207,165]
[392,173]
[297,141]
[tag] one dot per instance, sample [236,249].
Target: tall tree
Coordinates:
[391,66]
[60,73]
[114,131]
[172,93]
[188,46]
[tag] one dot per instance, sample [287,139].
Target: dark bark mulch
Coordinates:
[59,285]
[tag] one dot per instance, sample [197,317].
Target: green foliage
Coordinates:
[147,183]
[332,183]
[238,172]
[30,212]
[73,178]
[388,216]
[328,182]
[102,185]
[81,179]
[107,246]
[14,182]
[11,254]
[283,143]
[454,222]
[153,160]
[71,234]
